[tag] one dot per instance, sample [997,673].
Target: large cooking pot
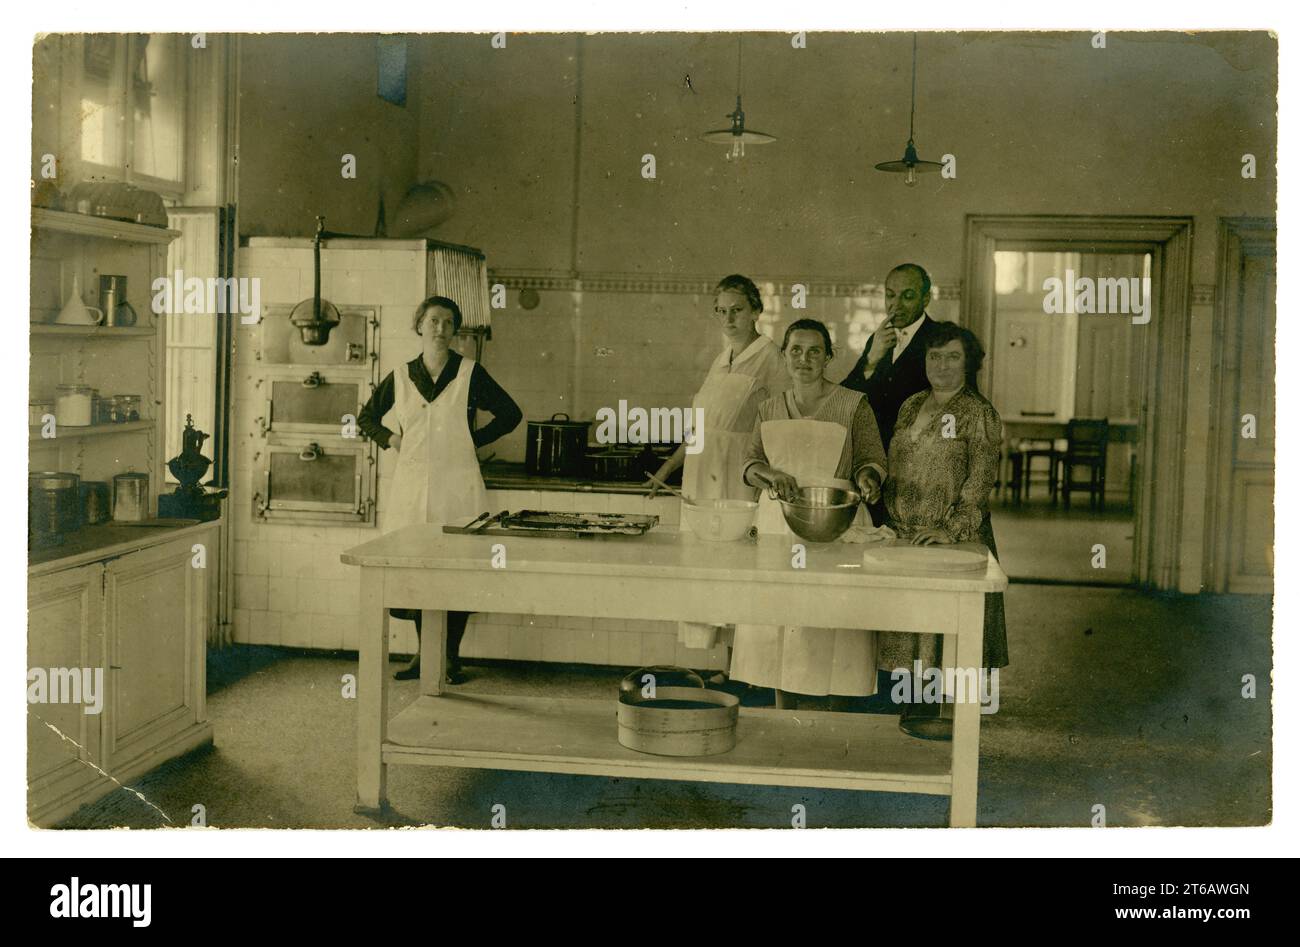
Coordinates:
[615,464]
[556,448]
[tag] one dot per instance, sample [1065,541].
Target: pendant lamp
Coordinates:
[737,136]
[910,166]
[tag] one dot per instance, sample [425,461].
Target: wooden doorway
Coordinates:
[1162,405]
[1239,493]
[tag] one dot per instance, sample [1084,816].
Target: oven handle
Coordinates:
[310,452]
[263,502]
[313,380]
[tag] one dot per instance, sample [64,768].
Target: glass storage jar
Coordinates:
[109,410]
[128,408]
[72,405]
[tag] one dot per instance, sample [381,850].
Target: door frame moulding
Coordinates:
[1158,514]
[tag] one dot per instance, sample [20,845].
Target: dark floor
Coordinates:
[1114,697]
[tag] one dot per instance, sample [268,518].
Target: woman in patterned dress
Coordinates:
[942,464]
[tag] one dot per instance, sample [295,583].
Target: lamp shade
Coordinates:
[737,136]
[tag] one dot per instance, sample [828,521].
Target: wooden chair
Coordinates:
[1022,457]
[1011,473]
[1087,440]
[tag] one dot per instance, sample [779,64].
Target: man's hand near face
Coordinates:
[882,343]
[906,296]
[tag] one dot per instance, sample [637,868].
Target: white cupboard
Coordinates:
[140,618]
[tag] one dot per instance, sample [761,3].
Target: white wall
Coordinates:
[542,143]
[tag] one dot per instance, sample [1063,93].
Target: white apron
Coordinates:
[437,476]
[714,473]
[800,659]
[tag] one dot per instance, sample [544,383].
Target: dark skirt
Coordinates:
[995,616]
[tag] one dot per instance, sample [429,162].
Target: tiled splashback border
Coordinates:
[692,286]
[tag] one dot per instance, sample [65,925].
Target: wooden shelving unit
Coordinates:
[61,221]
[76,249]
[92,332]
[93,430]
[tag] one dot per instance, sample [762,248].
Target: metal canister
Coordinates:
[112,293]
[94,502]
[52,506]
[130,497]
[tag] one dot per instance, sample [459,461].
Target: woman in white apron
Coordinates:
[747,371]
[437,478]
[816,433]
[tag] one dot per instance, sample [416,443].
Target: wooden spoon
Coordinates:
[671,489]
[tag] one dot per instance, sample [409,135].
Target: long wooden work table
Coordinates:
[662,575]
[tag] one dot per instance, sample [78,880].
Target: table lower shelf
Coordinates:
[573,735]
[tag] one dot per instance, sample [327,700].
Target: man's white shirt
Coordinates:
[905,336]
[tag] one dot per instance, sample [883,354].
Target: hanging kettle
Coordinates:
[315,317]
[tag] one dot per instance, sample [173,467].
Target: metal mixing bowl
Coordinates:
[821,514]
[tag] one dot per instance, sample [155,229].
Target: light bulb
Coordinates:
[910,178]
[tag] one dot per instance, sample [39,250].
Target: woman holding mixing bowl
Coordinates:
[815,434]
[747,371]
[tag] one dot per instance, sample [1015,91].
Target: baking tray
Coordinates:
[558,525]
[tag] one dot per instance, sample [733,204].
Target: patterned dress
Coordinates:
[938,481]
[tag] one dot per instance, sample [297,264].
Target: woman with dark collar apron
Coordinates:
[437,478]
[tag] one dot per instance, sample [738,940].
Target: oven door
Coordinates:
[311,401]
[353,342]
[304,480]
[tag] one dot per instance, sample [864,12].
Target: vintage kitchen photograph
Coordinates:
[675,430]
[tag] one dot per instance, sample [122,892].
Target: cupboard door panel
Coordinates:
[151,612]
[64,631]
